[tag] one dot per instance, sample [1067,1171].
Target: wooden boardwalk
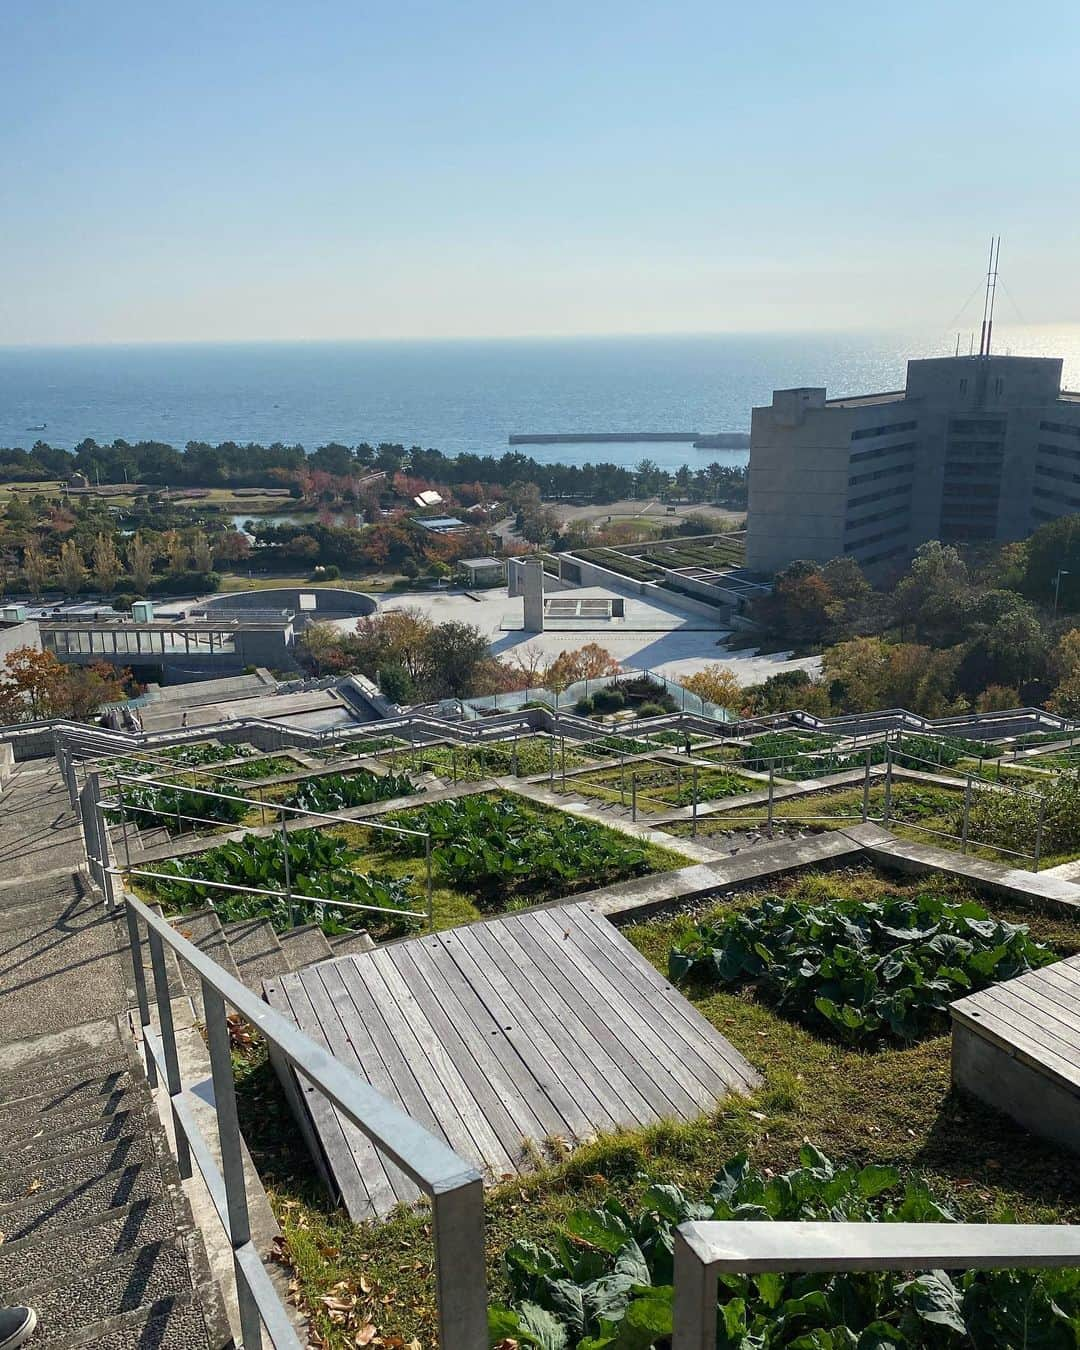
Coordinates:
[540,1026]
[1016,1046]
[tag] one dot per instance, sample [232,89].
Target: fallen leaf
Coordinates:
[365,1335]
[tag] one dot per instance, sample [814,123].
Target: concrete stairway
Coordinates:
[251,950]
[96,1230]
[98,1237]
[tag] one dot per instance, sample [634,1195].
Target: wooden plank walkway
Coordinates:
[1016,1046]
[527,1028]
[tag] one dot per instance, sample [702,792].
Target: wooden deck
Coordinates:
[529,1027]
[1016,1046]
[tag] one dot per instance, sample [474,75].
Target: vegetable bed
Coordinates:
[861,970]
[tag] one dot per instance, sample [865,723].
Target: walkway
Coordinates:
[97,1234]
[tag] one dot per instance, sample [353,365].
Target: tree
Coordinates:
[998,698]
[140,560]
[1054,547]
[88,687]
[176,551]
[107,565]
[717,684]
[71,571]
[202,554]
[396,684]
[590,662]
[33,684]
[35,570]
[452,652]
[930,596]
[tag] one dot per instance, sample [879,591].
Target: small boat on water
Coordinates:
[40,427]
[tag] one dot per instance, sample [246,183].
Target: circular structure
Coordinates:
[307,603]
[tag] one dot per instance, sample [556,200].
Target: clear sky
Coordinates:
[339,168]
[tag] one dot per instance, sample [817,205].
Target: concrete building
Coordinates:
[973,448]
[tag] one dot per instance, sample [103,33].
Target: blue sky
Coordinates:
[331,169]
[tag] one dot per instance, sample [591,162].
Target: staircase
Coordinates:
[251,950]
[97,1234]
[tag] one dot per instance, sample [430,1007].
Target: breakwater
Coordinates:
[725,440]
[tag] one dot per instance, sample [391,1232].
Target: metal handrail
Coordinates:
[704,1250]
[454,1185]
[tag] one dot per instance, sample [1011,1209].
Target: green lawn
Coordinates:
[658,785]
[893,1106]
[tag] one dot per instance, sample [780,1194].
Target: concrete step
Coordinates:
[304,946]
[43,1214]
[256,951]
[346,944]
[59,1072]
[153,1276]
[203,928]
[45,1177]
[81,1099]
[116,1233]
[48,1142]
[176,1324]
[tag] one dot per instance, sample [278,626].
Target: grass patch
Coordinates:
[471,763]
[658,784]
[892,1107]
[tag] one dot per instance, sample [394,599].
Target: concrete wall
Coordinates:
[15,635]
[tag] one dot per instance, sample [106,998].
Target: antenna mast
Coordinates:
[988,299]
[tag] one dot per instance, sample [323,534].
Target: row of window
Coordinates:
[961,510]
[1055,496]
[880,557]
[853,544]
[1063,475]
[889,514]
[901,490]
[860,456]
[1057,451]
[890,472]
[979,469]
[976,448]
[867,432]
[1061,428]
[975,426]
[971,490]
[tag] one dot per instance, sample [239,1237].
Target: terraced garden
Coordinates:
[847,1125]
[491,852]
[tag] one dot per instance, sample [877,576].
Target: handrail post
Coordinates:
[966,823]
[139,971]
[772,792]
[232,1155]
[1039,832]
[866,788]
[633,794]
[430,891]
[288,874]
[460,1274]
[887,816]
[694,1307]
[694,789]
[168,1043]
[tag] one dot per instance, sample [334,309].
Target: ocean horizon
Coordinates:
[458,395]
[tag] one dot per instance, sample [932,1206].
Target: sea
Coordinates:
[458,395]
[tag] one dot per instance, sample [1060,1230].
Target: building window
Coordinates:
[963,386]
[867,432]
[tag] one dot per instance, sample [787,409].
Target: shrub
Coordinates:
[608,1280]
[608,700]
[864,970]
[651,710]
[583,707]
[330,572]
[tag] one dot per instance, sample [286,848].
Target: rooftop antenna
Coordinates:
[988,299]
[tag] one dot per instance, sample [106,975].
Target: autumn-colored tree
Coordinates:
[1066,657]
[88,687]
[107,565]
[590,662]
[998,698]
[33,684]
[140,561]
[71,570]
[175,550]
[717,684]
[35,570]
[231,547]
[202,554]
